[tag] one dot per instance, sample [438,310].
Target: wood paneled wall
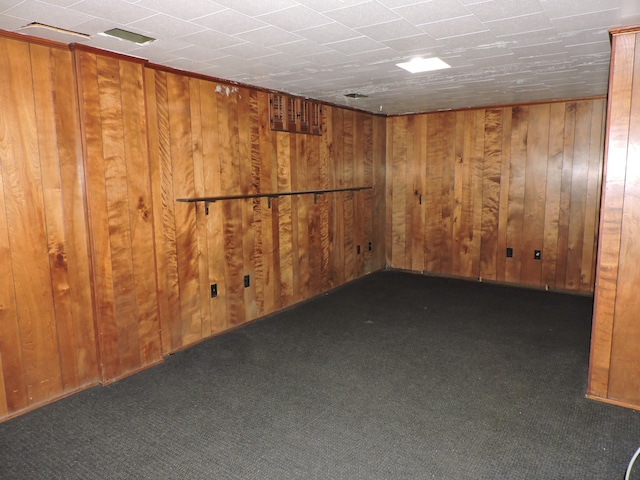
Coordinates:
[614,374]
[112,109]
[212,139]
[464,186]
[104,272]
[47,339]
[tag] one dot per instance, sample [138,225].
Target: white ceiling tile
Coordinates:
[508,60]
[34,11]
[605,19]
[119,11]
[295,18]
[330,58]
[257,7]
[230,22]
[399,3]
[390,30]
[327,5]
[356,46]
[170,27]
[269,36]
[7,4]
[60,3]
[379,57]
[433,11]
[301,48]
[283,60]
[329,42]
[94,26]
[530,38]
[557,9]
[248,51]
[363,14]
[12,23]
[207,38]
[330,32]
[584,36]
[540,49]
[520,25]
[196,53]
[499,9]
[590,48]
[471,40]
[454,27]
[159,47]
[195,9]
[422,42]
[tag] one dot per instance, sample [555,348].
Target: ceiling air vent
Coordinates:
[355,95]
[128,36]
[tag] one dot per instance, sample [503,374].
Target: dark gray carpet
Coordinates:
[395,376]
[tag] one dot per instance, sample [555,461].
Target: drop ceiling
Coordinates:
[500,51]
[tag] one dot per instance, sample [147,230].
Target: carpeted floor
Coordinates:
[394,376]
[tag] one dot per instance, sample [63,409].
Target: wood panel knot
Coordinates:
[60,256]
[143,209]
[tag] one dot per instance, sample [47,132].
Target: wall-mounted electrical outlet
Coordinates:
[247,282]
[509,252]
[358,249]
[537,254]
[214,290]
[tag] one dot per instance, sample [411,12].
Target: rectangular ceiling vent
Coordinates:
[120,34]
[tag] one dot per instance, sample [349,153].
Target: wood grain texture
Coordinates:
[535,192]
[503,217]
[553,195]
[164,211]
[436,142]
[476,189]
[614,366]
[292,247]
[140,211]
[400,196]
[47,342]
[183,176]
[123,272]
[120,212]
[624,382]
[491,175]
[201,219]
[496,179]
[214,221]
[379,197]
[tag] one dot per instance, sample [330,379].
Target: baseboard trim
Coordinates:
[613,402]
[35,406]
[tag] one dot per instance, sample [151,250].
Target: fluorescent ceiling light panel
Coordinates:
[128,36]
[418,65]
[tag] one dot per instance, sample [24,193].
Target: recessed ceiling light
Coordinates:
[418,65]
[128,36]
[355,95]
